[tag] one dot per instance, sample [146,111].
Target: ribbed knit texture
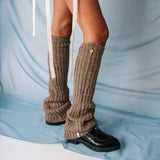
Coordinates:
[80,116]
[57,104]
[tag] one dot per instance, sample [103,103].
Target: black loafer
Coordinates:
[98,141]
[55,124]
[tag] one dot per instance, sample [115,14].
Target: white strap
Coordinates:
[49,36]
[75,6]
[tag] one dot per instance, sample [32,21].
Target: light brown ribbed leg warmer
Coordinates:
[80,117]
[57,104]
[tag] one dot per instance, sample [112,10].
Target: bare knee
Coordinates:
[62,27]
[91,21]
[99,35]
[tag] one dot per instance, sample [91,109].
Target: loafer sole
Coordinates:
[95,148]
[55,124]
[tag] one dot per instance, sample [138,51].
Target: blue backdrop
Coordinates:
[127,94]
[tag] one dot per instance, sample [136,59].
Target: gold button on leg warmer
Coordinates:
[80,116]
[57,104]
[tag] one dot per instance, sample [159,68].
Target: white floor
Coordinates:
[12,149]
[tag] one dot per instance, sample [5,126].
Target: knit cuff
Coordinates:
[60,41]
[72,134]
[90,45]
[55,111]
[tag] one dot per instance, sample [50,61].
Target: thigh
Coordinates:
[89,17]
[62,19]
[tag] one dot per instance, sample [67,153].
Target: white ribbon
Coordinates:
[75,7]
[49,36]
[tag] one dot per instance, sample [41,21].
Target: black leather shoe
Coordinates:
[55,124]
[98,141]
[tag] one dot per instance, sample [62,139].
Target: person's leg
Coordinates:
[81,125]
[62,19]
[58,101]
[91,21]
[80,117]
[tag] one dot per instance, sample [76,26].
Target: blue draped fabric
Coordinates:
[127,94]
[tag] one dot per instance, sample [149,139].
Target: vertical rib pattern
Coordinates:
[80,117]
[57,104]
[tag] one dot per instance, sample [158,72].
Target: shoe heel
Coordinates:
[73,141]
